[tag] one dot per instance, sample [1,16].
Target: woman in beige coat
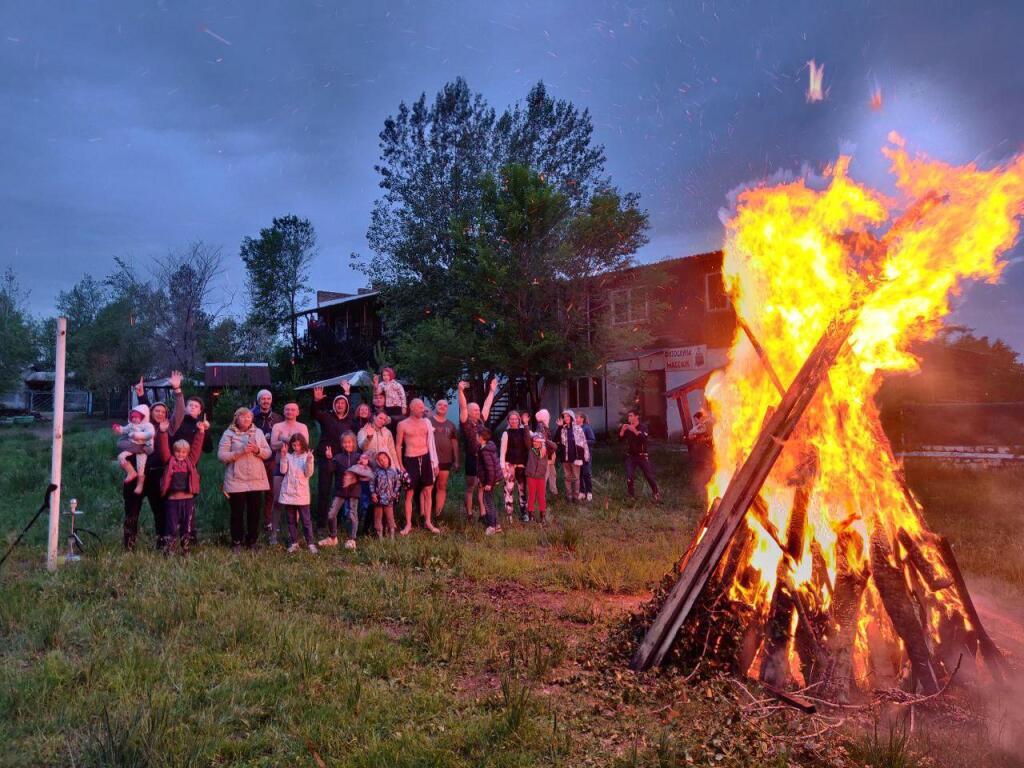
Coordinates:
[242,450]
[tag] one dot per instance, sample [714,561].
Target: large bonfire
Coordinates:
[814,567]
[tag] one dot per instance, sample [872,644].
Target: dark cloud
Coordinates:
[133,127]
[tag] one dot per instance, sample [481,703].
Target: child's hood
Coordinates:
[143,410]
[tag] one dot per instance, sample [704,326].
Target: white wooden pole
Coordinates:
[58,443]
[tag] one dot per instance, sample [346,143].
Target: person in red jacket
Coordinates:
[180,484]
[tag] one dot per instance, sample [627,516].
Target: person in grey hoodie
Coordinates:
[243,450]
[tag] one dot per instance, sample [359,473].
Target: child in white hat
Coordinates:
[136,439]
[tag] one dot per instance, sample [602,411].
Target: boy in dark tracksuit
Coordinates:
[488,471]
[635,435]
[345,495]
[334,422]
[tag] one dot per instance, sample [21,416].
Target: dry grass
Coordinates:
[981,510]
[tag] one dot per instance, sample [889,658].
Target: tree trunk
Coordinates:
[534,392]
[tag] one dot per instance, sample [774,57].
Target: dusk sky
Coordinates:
[131,128]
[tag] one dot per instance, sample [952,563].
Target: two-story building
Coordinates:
[678,309]
[341,331]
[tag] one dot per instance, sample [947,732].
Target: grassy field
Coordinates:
[459,650]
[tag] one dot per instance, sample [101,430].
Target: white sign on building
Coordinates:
[686,358]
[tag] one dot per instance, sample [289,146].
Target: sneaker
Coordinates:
[330,541]
[657,498]
[590,497]
[492,529]
[581,497]
[312,549]
[350,544]
[293,548]
[525,518]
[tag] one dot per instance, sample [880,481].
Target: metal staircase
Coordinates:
[511,395]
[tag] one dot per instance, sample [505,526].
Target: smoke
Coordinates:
[1004,714]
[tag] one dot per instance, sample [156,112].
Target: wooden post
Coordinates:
[57,451]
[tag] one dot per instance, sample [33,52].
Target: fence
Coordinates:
[74,402]
[982,432]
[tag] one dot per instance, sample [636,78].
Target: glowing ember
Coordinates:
[835,522]
[817,77]
[876,98]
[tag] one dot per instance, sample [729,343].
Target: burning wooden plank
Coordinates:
[846,580]
[745,485]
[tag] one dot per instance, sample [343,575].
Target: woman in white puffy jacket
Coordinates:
[243,449]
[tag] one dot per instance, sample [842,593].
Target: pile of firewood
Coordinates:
[916,579]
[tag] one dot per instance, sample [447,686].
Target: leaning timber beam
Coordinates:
[851,581]
[762,354]
[742,490]
[994,658]
[775,665]
[892,588]
[922,564]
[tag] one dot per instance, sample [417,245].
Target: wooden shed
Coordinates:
[242,376]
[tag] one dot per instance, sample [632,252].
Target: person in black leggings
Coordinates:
[635,435]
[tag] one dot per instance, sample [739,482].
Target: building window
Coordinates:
[629,305]
[586,393]
[715,297]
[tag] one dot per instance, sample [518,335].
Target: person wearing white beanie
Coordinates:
[543,419]
[573,452]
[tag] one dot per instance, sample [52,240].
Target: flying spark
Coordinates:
[817,76]
[214,35]
[876,98]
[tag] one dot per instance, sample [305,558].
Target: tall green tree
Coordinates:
[433,156]
[110,329]
[17,340]
[277,264]
[530,258]
[81,303]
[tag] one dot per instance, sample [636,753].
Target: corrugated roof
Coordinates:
[337,302]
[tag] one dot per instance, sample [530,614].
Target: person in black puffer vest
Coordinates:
[333,424]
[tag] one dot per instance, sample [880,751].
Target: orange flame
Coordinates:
[795,258]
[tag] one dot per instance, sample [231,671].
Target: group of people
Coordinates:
[391,453]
